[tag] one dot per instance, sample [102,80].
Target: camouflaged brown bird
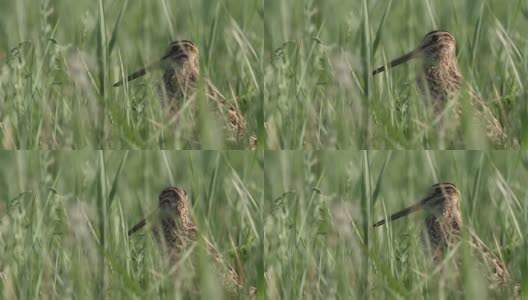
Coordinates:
[180,81]
[439,81]
[443,225]
[174,230]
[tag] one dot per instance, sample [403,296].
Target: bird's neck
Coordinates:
[445,68]
[186,221]
[442,82]
[178,229]
[182,70]
[189,69]
[444,229]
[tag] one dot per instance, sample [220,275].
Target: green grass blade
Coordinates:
[115,182]
[115,31]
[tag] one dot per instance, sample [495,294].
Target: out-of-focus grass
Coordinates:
[59,59]
[321,206]
[320,54]
[64,218]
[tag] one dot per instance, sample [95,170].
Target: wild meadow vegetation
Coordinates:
[293,224]
[64,218]
[320,93]
[320,243]
[59,59]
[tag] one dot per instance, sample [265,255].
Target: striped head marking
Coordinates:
[181,51]
[438,45]
[173,199]
[441,197]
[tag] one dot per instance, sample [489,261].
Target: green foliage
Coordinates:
[59,59]
[64,218]
[320,201]
[321,94]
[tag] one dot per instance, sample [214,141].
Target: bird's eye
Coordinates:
[434,38]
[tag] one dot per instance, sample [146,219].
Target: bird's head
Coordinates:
[177,54]
[173,209]
[436,47]
[173,202]
[181,52]
[442,199]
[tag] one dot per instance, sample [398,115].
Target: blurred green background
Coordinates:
[321,205]
[64,218]
[320,93]
[59,60]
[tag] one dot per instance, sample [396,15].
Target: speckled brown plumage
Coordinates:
[175,231]
[443,225]
[180,80]
[439,81]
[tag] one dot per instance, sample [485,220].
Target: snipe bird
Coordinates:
[443,225]
[174,230]
[180,79]
[439,80]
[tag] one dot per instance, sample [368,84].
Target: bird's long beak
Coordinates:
[141,72]
[404,212]
[398,61]
[142,223]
